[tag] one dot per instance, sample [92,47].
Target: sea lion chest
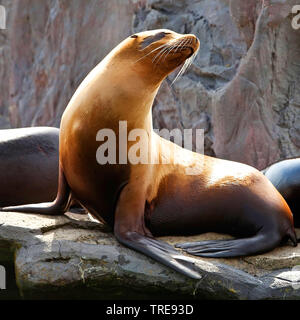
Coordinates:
[95,186]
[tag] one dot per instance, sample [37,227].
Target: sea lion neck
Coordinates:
[124,95]
[111,92]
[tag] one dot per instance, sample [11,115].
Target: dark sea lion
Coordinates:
[144,200]
[285,176]
[28,165]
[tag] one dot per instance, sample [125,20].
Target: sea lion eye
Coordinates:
[134,36]
[150,39]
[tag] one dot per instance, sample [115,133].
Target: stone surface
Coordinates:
[4,70]
[73,257]
[53,45]
[256,115]
[242,88]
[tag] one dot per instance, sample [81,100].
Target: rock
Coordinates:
[53,45]
[4,70]
[72,257]
[189,99]
[241,89]
[255,115]
[244,14]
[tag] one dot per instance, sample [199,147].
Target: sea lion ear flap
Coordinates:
[134,36]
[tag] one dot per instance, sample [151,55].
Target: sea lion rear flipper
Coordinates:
[57,207]
[160,251]
[261,242]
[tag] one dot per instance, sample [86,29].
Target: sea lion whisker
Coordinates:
[189,62]
[160,53]
[182,70]
[166,47]
[177,43]
[181,44]
[186,64]
[175,46]
[178,75]
[172,47]
[166,53]
[160,47]
[192,58]
[163,45]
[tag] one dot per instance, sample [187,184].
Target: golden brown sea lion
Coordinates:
[144,200]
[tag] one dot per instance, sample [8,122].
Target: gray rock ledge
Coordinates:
[71,256]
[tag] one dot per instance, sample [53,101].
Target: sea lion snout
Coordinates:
[193,44]
[159,52]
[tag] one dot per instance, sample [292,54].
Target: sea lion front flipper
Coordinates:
[130,230]
[57,207]
[261,242]
[160,251]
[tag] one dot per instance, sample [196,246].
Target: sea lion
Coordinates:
[28,165]
[285,176]
[144,200]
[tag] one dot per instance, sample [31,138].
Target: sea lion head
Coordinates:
[155,54]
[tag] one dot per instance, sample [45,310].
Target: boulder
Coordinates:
[242,88]
[74,257]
